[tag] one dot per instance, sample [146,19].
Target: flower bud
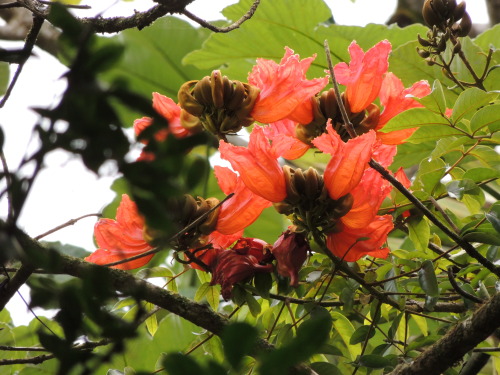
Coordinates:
[459,11]
[423,53]
[222,106]
[431,17]
[465,25]
[423,42]
[290,251]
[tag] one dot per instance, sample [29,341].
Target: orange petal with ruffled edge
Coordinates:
[242,209]
[349,160]
[352,244]
[363,76]
[257,165]
[284,89]
[121,238]
[284,142]
[167,108]
[103,256]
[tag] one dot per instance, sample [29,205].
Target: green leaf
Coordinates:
[152,324]
[429,175]
[345,329]
[263,283]
[202,291]
[422,342]
[480,174]
[325,368]
[486,117]
[180,364]
[487,156]
[435,101]
[374,361]
[458,188]
[427,279]
[469,101]
[298,24]
[475,56]
[362,334]
[490,37]
[493,216]
[419,232]
[415,117]
[253,304]
[238,339]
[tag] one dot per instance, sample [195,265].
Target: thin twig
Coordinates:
[66,224]
[444,215]
[8,178]
[463,293]
[226,29]
[28,47]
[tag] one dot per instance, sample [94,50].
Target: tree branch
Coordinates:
[13,285]
[456,343]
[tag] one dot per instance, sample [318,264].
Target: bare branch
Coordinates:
[13,284]
[66,224]
[226,29]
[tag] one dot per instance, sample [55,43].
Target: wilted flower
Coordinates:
[290,251]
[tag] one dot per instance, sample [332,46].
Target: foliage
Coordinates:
[369,315]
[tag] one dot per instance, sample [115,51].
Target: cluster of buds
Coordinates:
[220,105]
[308,203]
[186,210]
[447,21]
[326,106]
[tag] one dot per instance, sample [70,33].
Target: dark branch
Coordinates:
[461,339]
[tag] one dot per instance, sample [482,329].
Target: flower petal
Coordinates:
[352,244]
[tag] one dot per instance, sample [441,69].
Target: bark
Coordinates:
[461,339]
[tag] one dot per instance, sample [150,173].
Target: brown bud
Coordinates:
[459,11]
[189,208]
[371,119]
[431,17]
[465,25]
[451,5]
[292,195]
[314,183]
[423,42]
[441,47]
[209,224]
[190,122]
[299,181]
[187,101]
[423,53]
[216,84]
[343,206]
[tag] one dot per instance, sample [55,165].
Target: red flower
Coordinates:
[349,160]
[239,263]
[243,208]
[290,251]
[257,165]
[284,141]
[363,76]
[121,238]
[396,99]
[285,91]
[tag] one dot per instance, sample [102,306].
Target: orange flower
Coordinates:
[363,76]
[121,238]
[243,208]
[351,244]
[396,99]
[257,165]
[349,160]
[285,92]
[285,143]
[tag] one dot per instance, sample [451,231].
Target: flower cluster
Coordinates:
[339,206]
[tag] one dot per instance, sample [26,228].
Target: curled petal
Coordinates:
[284,89]
[352,244]
[284,141]
[257,165]
[349,160]
[167,108]
[121,238]
[363,76]
[242,209]
[103,256]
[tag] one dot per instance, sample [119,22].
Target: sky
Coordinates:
[65,190]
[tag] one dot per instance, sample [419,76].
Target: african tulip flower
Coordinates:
[396,99]
[284,141]
[290,251]
[285,92]
[121,238]
[257,166]
[243,208]
[349,160]
[364,74]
